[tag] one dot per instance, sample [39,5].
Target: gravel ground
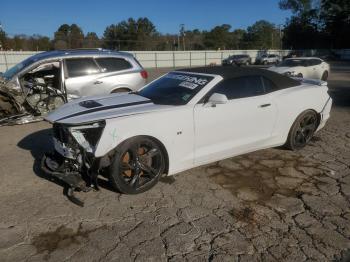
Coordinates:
[271,205]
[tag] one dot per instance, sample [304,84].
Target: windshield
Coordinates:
[175,88]
[17,68]
[293,62]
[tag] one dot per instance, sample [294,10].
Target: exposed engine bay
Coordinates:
[38,93]
[73,161]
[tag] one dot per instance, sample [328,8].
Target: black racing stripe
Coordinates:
[105,108]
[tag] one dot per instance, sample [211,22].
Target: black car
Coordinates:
[237,60]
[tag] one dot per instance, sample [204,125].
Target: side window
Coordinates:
[110,64]
[240,87]
[316,62]
[269,86]
[81,67]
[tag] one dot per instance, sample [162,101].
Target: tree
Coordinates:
[218,38]
[317,24]
[91,40]
[335,16]
[130,34]
[3,39]
[262,35]
[299,6]
[68,37]
[304,29]
[238,39]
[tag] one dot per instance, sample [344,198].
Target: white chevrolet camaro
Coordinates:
[181,120]
[303,67]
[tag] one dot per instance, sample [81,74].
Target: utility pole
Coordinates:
[182,33]
[280,34]
[0,39]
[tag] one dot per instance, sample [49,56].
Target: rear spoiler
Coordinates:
[311,81]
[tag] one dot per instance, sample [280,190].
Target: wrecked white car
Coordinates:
[44,82]
[184,119]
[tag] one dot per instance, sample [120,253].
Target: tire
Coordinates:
[300,75]
[324,76]
[247,63]
[302,130]
[264,62]
[120,90]
[137,165]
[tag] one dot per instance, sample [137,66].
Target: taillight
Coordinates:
[144,74]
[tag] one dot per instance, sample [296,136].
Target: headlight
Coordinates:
[88,135]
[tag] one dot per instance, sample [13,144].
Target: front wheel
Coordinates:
[302,130]
[137,165]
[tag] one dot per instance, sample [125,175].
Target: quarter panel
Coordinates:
[292,102]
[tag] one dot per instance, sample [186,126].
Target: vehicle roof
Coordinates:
[78,53]
[226,72]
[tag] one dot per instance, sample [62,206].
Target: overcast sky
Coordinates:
[44,17]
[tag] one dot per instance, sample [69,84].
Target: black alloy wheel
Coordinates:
[302,130]
[137,166]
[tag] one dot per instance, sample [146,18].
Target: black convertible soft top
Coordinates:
[227,72]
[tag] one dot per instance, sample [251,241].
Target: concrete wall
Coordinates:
[158,59]
[153,59]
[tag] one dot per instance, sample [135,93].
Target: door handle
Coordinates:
[265,105]
[97,82]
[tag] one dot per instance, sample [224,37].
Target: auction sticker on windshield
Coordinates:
[198,81]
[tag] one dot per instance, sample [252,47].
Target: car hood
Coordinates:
[283,69]
[96,108]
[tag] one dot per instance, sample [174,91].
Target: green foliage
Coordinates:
[129,34]
[218,38]
[91,40]
[317,24]
[262,35]
[68,37]
[3,39]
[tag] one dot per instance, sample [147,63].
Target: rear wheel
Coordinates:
[302,130]
[324,76]
[300,75]
[137,165]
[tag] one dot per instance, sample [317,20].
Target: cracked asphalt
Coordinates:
[270,205]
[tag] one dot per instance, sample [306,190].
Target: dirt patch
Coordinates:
[252,178]
[245,215]
[61,238]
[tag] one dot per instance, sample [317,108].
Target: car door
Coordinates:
[242,124]
[80,76]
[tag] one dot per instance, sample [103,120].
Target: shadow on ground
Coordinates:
[38,143]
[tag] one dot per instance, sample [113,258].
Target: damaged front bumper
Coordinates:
[72,161]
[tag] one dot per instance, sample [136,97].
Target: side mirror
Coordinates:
[217,98]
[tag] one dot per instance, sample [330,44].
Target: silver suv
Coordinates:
[267,59]
[43,82]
